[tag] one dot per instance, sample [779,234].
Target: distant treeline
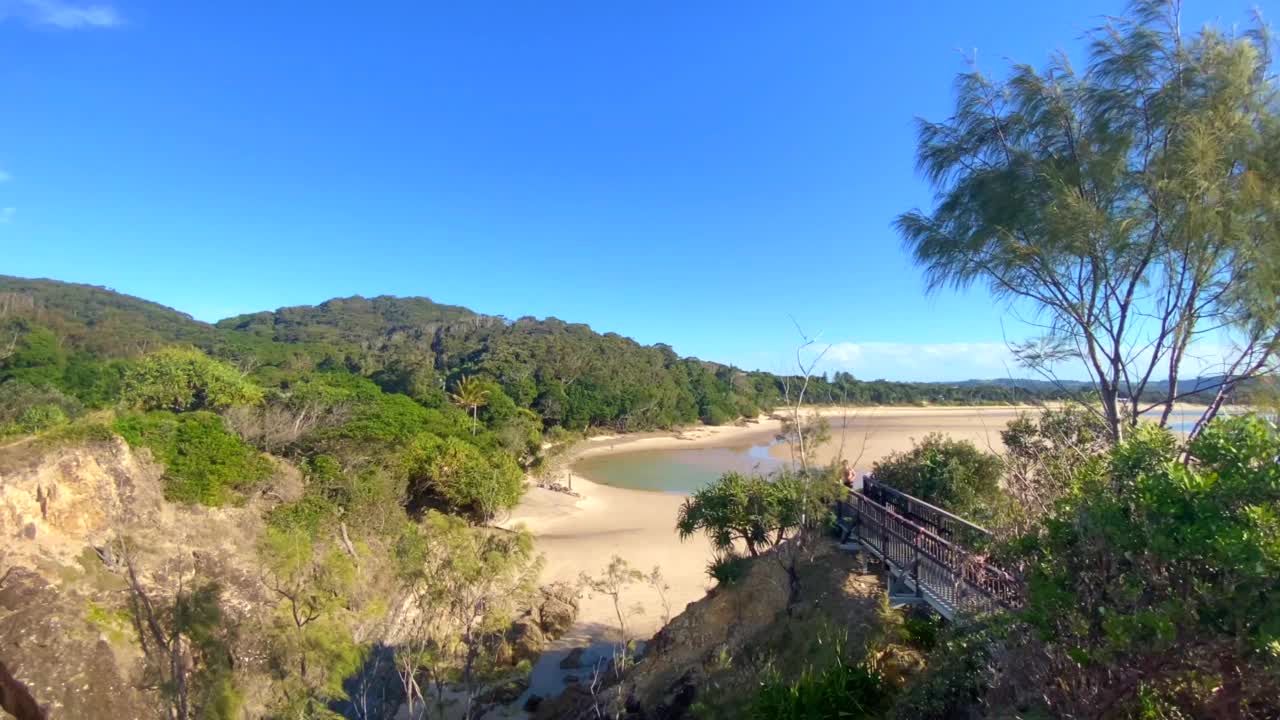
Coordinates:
[565,373]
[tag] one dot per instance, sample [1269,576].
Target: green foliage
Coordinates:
[462,476]
[96,383]
[370,415]
[959,673]
[116,625]
[97,320]
[467,584]
[517,430]
[83,430]
[921,630]
[952,474]
[204,463]
[367,499]
[41,417]
[1042,455]
[756,510]
[1189,556]
[19,399]
[309,638]
[727,567]
[351,320]
[37,358]
[538,374]
[1152,166]
[198,617]
[184,379]
[471,393]
[840,690]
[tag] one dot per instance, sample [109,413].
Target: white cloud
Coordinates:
[61,13]
[923,361]
[6,214]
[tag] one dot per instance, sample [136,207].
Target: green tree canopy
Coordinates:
[183,379]
[756,510]
[1132,205]
[952,474]
[466,479]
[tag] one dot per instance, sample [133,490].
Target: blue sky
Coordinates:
[689,173]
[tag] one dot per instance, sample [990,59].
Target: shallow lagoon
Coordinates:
[685,470]
[677,470]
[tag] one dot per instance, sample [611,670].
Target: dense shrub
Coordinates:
[727,568]
[1189,556]
[370,415]
[841,690]
[462,476]
[184,379]
[38,356]
[953,474]
[27,408]
[41,417]
[959,673]
[369,499]
[95,382]
[204,462]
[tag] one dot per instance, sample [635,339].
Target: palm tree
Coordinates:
[471,394]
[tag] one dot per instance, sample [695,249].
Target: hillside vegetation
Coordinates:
[359,449]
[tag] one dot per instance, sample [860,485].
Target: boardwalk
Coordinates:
[926,549]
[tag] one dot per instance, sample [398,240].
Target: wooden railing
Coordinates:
[952,578]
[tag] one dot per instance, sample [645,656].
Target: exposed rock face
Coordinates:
[557,609]
[526,640]
[69,497]
[689,655]
[69,665]
[64,627]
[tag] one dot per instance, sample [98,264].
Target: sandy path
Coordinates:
[577,534]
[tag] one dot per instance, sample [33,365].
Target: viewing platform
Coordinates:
[931,556]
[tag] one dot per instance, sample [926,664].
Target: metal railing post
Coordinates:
[915,570]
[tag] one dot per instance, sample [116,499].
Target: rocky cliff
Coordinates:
[68,515]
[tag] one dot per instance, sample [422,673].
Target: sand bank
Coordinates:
[577,534]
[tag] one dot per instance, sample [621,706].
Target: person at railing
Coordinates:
[848,477]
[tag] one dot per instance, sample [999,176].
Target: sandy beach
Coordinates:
[577,534]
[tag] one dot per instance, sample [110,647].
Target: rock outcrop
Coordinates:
[72,666]
[68,515]
[700,650]
[557,608]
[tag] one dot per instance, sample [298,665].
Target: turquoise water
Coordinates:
[674,471]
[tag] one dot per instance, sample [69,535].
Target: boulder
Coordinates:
[898,663]
[532,702]
[508,692]
[64,661]
[557,609]
[574,659]
[526,640]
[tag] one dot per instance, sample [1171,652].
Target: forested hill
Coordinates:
[352,320]
[96,319]
[568,374]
